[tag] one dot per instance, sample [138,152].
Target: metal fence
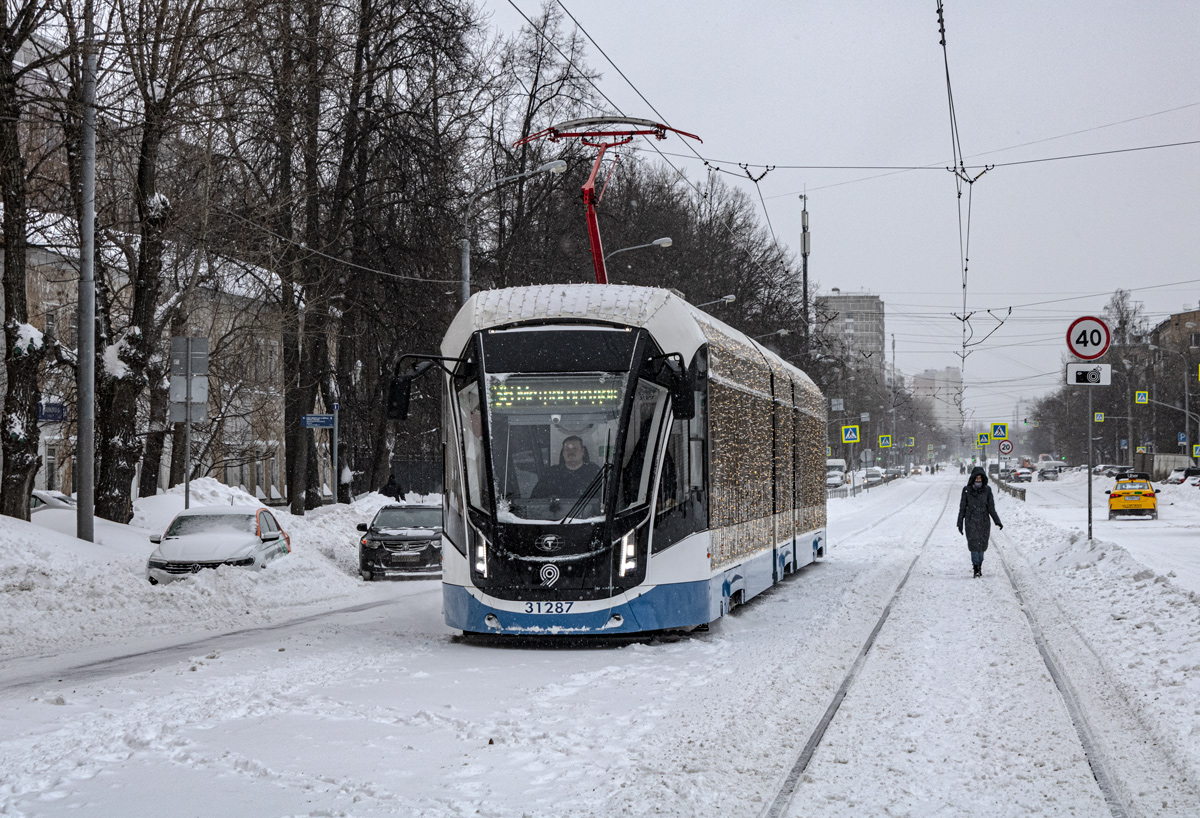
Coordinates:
[850,491]
[1012,491]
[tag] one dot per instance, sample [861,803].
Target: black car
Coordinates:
[404,541]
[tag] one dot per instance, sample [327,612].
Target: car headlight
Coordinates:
[481,545]
[241,562]
[627,552]
[157,564]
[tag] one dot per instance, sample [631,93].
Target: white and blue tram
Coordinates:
[617,460]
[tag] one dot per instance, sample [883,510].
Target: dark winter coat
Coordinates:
[976,510]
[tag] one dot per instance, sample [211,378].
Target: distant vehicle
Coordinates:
[403,541]
[1047,474]
[894,471]
[212,536]
[914,469]
[1006,475]
[835,479]
[874,476]
[1181,475]
[1022,476]
[1117,471]
[1132,498]
[835,464]
[40,500]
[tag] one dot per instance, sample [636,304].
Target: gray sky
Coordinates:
[833,82]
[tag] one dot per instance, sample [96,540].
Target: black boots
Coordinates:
[978,570]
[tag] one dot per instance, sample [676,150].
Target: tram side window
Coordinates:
[698,441]
[672,488]
[644,422]
[454,528]
[473,452]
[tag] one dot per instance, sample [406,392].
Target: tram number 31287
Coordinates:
[548,607]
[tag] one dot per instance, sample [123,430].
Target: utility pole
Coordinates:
[893,397]
[85,447]
[804,248]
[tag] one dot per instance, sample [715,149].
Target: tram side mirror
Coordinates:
[683,387]
[400,392]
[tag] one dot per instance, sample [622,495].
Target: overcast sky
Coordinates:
[843,83]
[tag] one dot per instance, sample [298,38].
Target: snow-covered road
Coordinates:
[374,707]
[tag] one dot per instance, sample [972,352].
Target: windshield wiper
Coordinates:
[588,493]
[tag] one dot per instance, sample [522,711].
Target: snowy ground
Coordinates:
[304,691]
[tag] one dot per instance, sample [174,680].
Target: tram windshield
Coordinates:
[553,438]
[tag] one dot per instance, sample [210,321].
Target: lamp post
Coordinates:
[556,167]
[664,243]
[725,299]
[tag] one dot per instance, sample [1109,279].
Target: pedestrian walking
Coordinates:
[390,489]
[976,511]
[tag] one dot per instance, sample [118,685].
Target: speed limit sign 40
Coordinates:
[1006,447]
[1088,338]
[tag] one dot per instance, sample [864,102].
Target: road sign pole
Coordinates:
[1091,429]
[187,429]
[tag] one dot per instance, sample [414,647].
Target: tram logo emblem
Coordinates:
[549,574]
[549,543]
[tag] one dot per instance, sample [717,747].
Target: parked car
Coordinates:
[1022,476]
[894,471]
[835,479]
[874,476]
[1048,474]
[1181,475]
[212,536]
[1132,497]
[40,500]
[402,541]
[1117,471]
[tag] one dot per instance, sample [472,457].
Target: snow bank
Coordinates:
[59,593]
[1142,626]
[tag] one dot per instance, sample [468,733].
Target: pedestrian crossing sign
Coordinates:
[849,434]
[829,451]
[999,431]
[983,439]
[885,441]
[912,441]
[1196,450]
[1141,397]
[1099,417]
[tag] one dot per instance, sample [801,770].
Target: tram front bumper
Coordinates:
[659,607]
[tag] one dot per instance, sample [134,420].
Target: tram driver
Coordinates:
[573,475]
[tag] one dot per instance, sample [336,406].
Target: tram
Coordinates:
[616,461]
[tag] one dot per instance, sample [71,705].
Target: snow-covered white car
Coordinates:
[835,479]
[40,500]
[211,536]
[873,476]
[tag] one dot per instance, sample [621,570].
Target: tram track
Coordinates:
[1114,799]
[887,517]
[787,791]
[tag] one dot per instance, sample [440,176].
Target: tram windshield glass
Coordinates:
[553,438]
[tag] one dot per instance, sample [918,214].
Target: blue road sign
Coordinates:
[1182,437]
[52,412]
[317,421]
[999,431]
[849,434]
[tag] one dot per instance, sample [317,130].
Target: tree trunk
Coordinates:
[23,349]
[156,439]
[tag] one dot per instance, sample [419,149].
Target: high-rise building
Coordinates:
[852,328]
[940,390]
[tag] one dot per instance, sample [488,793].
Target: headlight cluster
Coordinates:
[627,552]
[481,544]
[157,564]
[241,562]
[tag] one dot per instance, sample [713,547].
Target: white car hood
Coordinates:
[206,547]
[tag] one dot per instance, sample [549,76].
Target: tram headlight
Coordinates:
[627,552]
[481,544]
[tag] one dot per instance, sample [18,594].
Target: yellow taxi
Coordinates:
[1132,497]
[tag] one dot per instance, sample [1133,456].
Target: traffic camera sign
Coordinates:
[1088,375]
[1141,397]
[999,431]
[1088,338]
[885,441]
[849,434]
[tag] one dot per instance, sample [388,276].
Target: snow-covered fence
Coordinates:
[1012,491]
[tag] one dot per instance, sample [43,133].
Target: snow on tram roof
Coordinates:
[674,323]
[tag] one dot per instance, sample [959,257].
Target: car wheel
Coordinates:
[1153,515]
[366,575]
[1112,516]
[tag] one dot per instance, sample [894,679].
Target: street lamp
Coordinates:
[664,243]
[779,332]
[556,167]
[725,299]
